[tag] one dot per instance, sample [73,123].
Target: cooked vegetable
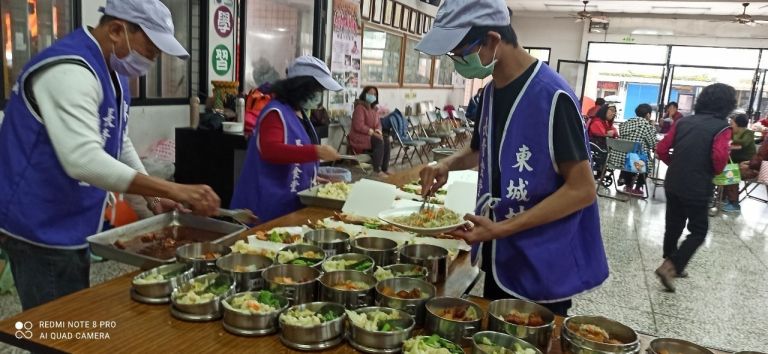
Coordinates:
[156,277]
[244,248]
[376,321]
[204,290]
[487,346]
[349,285]
[264,303]
[384,274]
[277,236]
[430,218]
[433,344]
[337,191]
[307,318]
[308,258]
[342,264]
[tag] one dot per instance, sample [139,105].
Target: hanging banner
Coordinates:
[221,41]
[345,55]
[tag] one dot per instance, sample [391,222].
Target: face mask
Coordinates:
[133,65]
[313,101]
[370,98]
[474,68]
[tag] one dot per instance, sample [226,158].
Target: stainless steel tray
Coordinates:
[102,243]
[309,198]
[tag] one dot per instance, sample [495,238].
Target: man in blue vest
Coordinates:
[537,227]
[63,145]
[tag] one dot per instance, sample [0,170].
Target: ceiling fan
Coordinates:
[745,19]
[585,15]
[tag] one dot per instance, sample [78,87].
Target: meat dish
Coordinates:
[593,333]
[162,244]
[524,319]
[459,313]
[413,294]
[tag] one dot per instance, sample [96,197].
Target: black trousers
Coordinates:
[628,176]
[380,154]
[680,210]
[492,291]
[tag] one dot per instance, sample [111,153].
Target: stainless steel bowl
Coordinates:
[244,280]
[192,254]
[460,332]
[402,268]
[163,289]
[355,257]
[382,250]
[303,291]
[381,340]
[212,307]
[252,323]
[323,332]
[414,307]
[571,343]
[434,258]
[300,249]
[498,339]
[351,299]
[677,346]
[333,242]
[749,352]
[540,336]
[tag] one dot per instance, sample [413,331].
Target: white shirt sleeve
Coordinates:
[68,98]
[130,156]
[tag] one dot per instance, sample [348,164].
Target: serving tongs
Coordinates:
[424,205]
[243,216]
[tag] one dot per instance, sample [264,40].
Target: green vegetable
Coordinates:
[173,273]
[385,328]
[371,225]
[329,316]
[304,261]
[218,287]
[361,266]
[275,237]
[267,298]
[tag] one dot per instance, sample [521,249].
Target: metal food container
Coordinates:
[303,291]
[244,280]
[540,336]
[251,324]
[162,289]
[333,242]
[209,308]
[382,250]
[192,253]
[351,299]
[102,244]
[679,346]
[324,332]
[403,268]
[571,343]
[300,249]
[355,257]
[377,340]
[414,307]
[459,332]
[499,339]
[434,258]
[308,197]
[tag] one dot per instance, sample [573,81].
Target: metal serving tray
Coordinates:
[102,243]
[309,198]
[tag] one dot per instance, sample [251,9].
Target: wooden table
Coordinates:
[108,311]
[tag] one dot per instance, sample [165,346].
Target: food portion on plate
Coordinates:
[459,313]
[433,344]
[308,258]
[347,264]
[336,191]
[593,333]
[384,274]
[376,321]
[412,294]
[351,285]
[278,236]
[430,218]
[487,346]
[204,290]
[369,223]
[264,302]
[530,319]
[307,317]
[415,188]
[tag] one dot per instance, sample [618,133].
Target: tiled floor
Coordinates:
[723,304]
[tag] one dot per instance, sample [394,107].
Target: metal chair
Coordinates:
[618,146]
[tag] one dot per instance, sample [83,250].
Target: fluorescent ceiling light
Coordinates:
[650,32]
[574,6]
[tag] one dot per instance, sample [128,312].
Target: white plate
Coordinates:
[389,215]
[400,237]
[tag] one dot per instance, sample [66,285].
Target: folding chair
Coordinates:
[750,186]
[618,146]
[462,128]
[439,130]
[406,142]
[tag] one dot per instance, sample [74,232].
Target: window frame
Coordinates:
[384,29]
[404,48]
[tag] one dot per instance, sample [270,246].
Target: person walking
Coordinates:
[536,194]
[701,148]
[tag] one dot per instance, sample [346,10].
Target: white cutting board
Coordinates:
[368,198]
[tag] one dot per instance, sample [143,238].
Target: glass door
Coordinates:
[686,82]
[623,84]
[574,72]
[760,107]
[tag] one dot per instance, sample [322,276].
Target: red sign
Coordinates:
[223,21]
[608,85]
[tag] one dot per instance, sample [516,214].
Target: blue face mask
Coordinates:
[313,101]
[370,98]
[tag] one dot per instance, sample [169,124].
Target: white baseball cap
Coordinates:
[454,20]
[153,18]
[310,66]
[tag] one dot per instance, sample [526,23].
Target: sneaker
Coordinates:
[731,208]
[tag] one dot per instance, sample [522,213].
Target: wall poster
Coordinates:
[345,55]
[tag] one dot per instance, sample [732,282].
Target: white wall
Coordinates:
[563,36]
[396,97]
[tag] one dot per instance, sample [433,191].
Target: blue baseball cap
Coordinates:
[308,65]
[454,20]
[155,20]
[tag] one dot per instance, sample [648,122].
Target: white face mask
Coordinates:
[133,65]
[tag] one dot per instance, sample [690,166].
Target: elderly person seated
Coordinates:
[742,149]
[640,130]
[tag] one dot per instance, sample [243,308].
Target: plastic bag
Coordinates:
[636,161]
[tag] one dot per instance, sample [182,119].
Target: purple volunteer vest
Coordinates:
[39,202]
[555,261]
[269,189]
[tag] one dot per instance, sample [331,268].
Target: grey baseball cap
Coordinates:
[153,18]
[454,20]
[310,66]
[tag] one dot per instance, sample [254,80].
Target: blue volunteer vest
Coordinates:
[39,202]
[269,189]
[552,262]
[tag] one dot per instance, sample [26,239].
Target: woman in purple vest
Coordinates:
[537,225]
[284,151]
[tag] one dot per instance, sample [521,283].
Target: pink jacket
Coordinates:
[364,119]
